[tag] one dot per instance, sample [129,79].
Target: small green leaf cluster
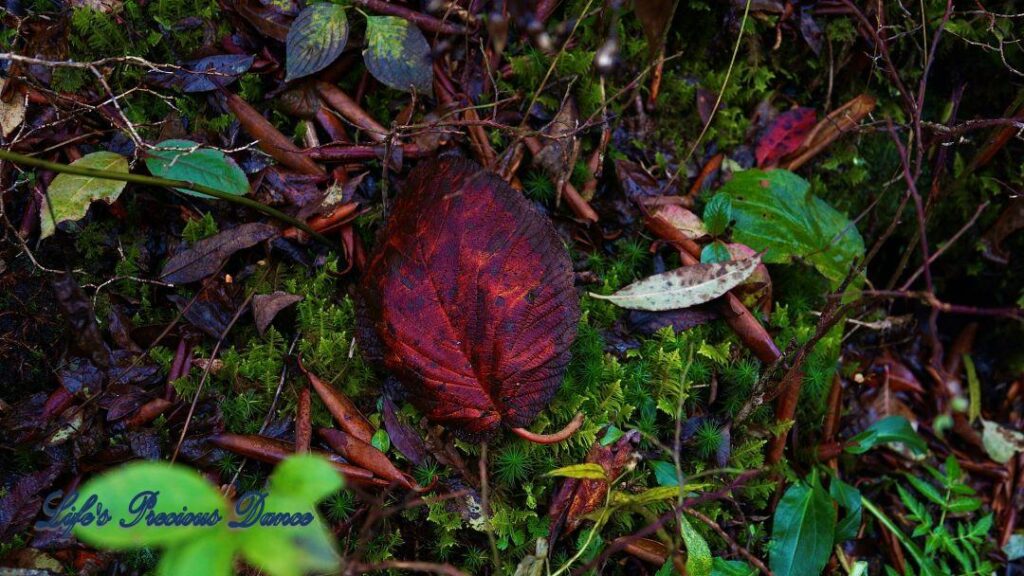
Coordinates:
[211,545]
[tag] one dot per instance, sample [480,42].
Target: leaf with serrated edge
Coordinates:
[315,39]
[683,287]
[70,195]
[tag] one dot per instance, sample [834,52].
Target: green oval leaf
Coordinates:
[802,531]
[683,287]
[70,195]
[398,54]
[123,492]
[185,160]
[774,211]
[315,39]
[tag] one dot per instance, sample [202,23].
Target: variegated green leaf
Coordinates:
[315,39]
[398,54]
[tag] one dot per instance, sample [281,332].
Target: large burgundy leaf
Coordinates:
[469,302]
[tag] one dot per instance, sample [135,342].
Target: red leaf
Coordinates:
[577,497]
[470,302]
[784,135]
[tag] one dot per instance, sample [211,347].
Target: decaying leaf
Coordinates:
[470,301]
[12,110]
[405,439]
[784,135]
[208,254]
[655,19]
[840,121]
[70,195]
[1000,442]
[558,156]
[577,497]
[202,75]
[266,306]
[683,287]
[688,223]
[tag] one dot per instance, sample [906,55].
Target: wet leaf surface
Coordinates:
[315,39]
[784,135]
[398,54]
[204,74]
[208,255]
[189,161]
[775,212]
[470,300]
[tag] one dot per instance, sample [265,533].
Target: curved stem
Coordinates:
[554,438]
[166,183]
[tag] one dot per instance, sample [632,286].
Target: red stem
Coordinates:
[555,438]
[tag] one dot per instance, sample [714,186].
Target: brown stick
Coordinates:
[580,207]
[357,153]
[270,139]
[364,455]
[341,407]
[303,422]
[272,451]
[351,110]
[423,21]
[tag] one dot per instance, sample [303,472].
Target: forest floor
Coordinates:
[560,287]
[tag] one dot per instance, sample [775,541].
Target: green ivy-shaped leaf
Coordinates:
[294,488]
[70,195]
[398,54]
[315,39]
[775,211]
[186,160]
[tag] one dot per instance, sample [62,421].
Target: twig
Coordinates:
[485,507]
[206,374]
[412,566]
[718,101]
[730,540]
[165,183]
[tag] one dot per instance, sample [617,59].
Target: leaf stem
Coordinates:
[166,183]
